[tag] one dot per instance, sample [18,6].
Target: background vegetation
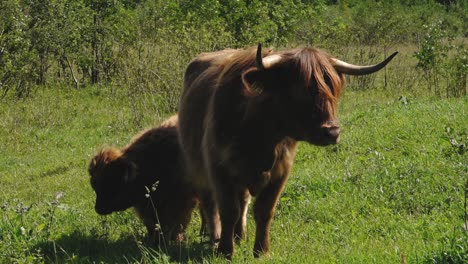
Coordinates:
[144,46]
[77,75]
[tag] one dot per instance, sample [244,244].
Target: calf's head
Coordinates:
[112,177]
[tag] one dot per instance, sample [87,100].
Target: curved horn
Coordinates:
[268,61]
[351,69]
[258,61]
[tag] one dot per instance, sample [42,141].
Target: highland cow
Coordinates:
[125,178]
[240,117]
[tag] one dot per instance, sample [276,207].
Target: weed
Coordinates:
[162,241]
[459,141]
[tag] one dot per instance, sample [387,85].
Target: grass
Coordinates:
[392,189]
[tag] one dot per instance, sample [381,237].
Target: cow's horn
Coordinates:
[351,69]
[259,62]
[268,61]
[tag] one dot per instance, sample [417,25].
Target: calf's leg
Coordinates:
[204,226]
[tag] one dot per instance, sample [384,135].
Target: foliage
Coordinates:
[77,43]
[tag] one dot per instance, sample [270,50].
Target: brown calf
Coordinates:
[241,113]
[122,178]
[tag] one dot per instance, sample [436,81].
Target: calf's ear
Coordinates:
[92,166]
[130,172]
[125,169]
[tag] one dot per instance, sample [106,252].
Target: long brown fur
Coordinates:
[124,178]
[239,127]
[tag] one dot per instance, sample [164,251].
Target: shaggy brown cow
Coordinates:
[241,113]
[122,178]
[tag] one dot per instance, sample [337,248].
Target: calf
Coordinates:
[125,178]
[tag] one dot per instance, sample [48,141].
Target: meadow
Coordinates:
[392,191]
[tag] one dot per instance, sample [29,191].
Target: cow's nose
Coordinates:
[332,133]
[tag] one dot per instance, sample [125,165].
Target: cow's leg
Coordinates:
[210,216]
[264,209]
[241,226]
[229,211]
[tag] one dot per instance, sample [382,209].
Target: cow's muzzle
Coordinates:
[330,133]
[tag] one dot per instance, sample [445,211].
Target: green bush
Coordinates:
[444,65]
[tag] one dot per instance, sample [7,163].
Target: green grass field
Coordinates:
[392,191]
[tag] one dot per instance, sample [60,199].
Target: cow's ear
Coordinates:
[254,81]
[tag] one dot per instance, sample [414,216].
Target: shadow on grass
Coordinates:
[80,248]
[444,257]
[83,248]
[453,249]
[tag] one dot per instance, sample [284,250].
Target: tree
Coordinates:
[16,56]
